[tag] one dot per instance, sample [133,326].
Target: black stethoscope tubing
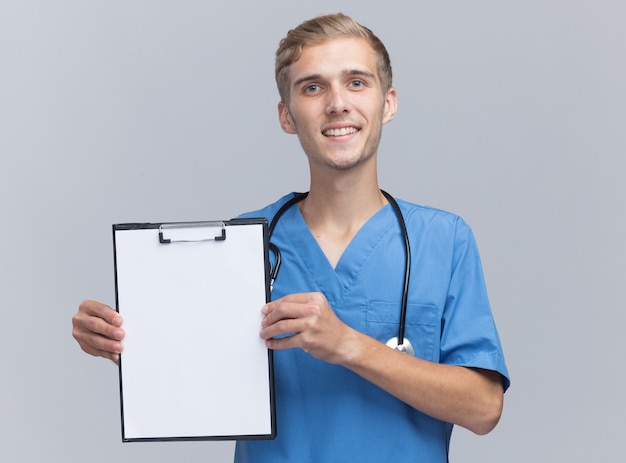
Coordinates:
[407,251]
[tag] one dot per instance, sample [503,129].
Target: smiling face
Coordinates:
[337,106]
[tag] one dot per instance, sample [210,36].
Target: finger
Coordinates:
[281,328]
[288,342]
[115,357]
[83,322]
[99,318]
[292,306]
[95,344]
[297,298]
[100,310]
[289,298]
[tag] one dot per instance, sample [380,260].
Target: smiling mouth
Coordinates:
[340,132]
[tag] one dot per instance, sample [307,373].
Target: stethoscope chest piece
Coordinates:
[405,347]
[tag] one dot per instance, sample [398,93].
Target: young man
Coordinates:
[342,394]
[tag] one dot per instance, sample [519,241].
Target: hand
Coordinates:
[98,330]
[311,325]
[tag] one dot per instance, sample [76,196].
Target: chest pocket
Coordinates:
[422,326]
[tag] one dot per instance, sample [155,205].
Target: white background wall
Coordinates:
[512,114]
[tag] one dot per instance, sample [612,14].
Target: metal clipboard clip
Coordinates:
[193,237]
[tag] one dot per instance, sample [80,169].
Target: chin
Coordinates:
[350,163]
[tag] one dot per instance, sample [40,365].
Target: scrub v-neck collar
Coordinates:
[336,282]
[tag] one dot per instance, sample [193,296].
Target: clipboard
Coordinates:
[194,366]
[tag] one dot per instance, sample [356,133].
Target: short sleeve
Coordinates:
[469,336]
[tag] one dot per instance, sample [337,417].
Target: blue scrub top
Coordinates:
[326,413]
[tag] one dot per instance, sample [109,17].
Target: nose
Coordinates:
[337,101]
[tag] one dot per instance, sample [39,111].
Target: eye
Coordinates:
[311,88]
[357,83]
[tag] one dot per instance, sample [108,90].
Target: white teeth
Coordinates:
[340,132]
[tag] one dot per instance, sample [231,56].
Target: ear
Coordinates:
[391,105]
[286,122]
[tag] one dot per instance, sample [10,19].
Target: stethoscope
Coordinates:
[398,343]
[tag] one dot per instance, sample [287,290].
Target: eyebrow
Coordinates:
[347,72]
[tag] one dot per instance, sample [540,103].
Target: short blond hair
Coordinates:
[318,30]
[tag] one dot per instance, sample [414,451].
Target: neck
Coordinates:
[335,215]
[339,204]
[342,202]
